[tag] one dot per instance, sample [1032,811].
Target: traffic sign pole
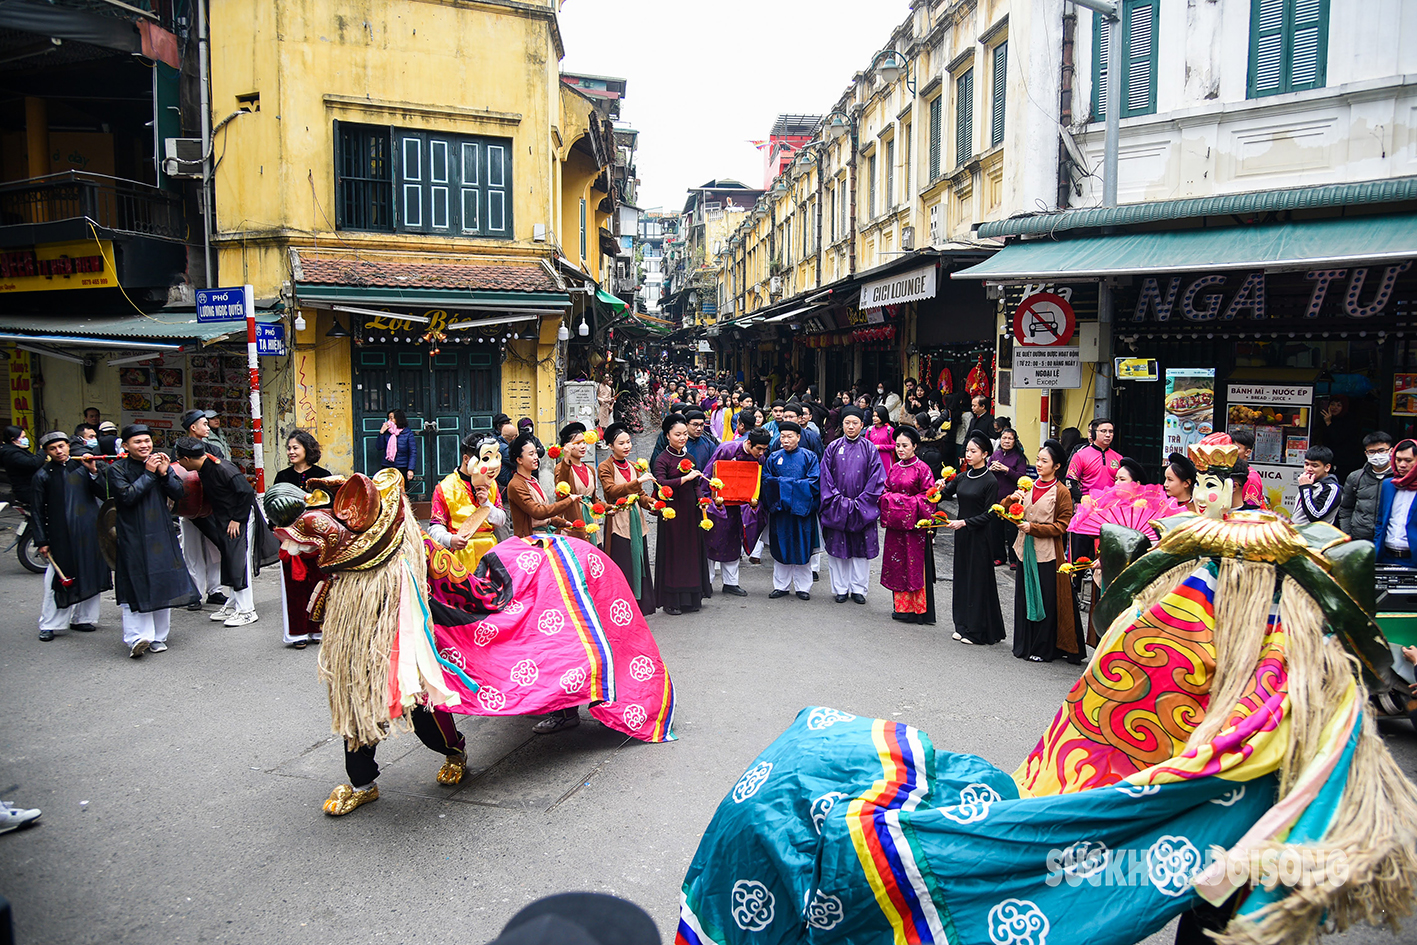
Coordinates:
[253,367]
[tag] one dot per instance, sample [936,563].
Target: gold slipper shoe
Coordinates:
[345,798]
[453,769]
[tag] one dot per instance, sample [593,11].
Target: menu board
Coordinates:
[222,382]
[155,393]
[1278,415]
[1189,410]
[1404,395]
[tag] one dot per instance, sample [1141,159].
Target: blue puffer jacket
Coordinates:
[405,457]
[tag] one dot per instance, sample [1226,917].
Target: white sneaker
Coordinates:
[157,646]
[226,611]
[242,619]
[139,648]
[12,817]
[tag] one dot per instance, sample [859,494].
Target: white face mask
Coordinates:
[23,442]
[1379,460]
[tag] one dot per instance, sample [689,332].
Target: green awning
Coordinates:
[616,305]
[1360,193]
[109,331]
[1341,242]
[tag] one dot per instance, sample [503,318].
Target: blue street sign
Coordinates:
[222,305]
[270,339]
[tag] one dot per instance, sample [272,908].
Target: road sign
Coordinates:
[1044,320]
[270,339]
[1048,368]
[1136,369]
[223,305]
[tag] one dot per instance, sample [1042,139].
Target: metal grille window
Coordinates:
[890,175]
[999,79]
[936,108]
[1138,59]
[964,117]
[1288,46]
[364,178]
[421,182]
[832,219]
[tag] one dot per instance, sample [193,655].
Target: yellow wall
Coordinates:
[481,67]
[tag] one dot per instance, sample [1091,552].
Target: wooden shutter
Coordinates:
[1309,59]
[936,108]
[1000,74]
[1267,47]
[1139,95]
[964,117]
[1101,39]
[890,175]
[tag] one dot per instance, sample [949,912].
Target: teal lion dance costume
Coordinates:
[1218,752]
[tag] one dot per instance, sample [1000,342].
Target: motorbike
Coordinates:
[23,543]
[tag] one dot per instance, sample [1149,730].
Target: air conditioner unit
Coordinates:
[183,157]
[907,237]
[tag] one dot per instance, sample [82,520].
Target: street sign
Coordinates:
[1048,368]
[1044,320]
[270,339]
[1136,369]
[223,305]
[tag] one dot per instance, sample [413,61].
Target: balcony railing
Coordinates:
[110,202]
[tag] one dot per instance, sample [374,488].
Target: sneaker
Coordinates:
[157,646]
[216,597]
[227,611]
[139,649]
[240,619]
[46,635]
[13,818]
[555,724]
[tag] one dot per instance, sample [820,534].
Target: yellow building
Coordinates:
[426,194]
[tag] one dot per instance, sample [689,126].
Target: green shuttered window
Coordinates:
[937,107]
[1288,46]
[1139,23]
[999,73]
[964,117]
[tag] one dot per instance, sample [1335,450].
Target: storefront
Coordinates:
[1299,332]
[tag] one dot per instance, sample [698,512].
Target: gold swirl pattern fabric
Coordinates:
[1140,699]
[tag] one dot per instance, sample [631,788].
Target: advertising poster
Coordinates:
[1278,415]
[21,391]
[1190,408]
[1404,395]
[221,382]
[155,393]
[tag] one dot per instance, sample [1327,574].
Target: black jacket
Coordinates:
[20,465]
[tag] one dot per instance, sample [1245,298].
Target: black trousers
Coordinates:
[434,728]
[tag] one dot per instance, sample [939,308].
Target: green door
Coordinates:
[456,394]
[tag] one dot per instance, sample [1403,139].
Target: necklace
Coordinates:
[905,462]
[969,474]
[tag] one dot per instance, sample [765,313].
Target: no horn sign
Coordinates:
[1044,320]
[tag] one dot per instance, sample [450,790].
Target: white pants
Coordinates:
[791,576]
[816,562]
[849,575]
[243,600]
[730,572]
[285,618]
[757,549]
[203,558]
[152,627]
[51,617]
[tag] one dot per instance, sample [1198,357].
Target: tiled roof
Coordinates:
[401,275]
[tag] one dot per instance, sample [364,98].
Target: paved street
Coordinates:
[181,792]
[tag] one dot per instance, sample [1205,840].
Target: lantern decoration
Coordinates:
[946,382]
[878,333]
[977,383]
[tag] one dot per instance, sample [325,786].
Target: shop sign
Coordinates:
[1270,394]
[392,323]
[1339,293]
[1050,368]
[1044,320]
[78,265]
[908,287]
[21,390]
[224,305]
[1404,395]
[270,340]
[1189,410]
[1136,369]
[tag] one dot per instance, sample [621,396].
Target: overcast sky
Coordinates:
[706,80]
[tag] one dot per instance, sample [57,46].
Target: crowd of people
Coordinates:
[841,481]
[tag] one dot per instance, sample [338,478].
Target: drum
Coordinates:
[193,503]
